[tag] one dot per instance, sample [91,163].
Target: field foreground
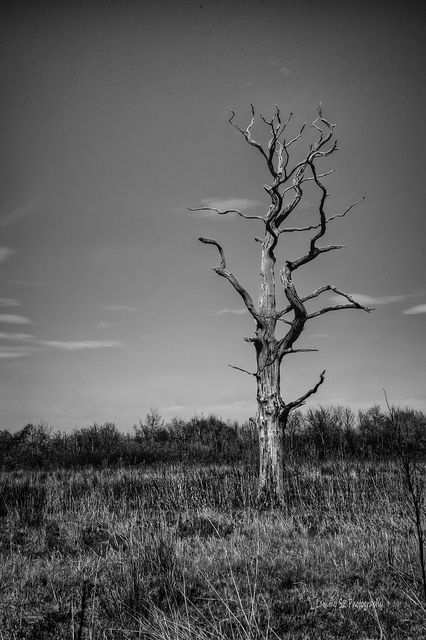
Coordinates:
[182,553]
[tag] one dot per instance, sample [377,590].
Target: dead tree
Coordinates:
[285,192]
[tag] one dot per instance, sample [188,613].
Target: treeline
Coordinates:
[319,434]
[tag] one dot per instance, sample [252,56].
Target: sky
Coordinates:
[114,120]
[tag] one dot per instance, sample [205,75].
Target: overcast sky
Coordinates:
[114,119]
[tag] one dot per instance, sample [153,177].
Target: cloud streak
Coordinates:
[20,337]
[9,302]
[105,325]
[32,343]
[14,352]
[81,345]
[5,355]
[6,253]
[230,203]
[419,308]
[12,319]
[232,312]
[377,300]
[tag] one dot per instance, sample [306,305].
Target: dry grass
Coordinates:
[179,553]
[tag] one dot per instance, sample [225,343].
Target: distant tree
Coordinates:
[372,425]
[6,444]
[31,445]
[285,192]
[409,444]
[96,444]
[151,428]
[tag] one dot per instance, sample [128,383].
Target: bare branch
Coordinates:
[330,247]
[333,217]
[338,307]
[299,135]
[328,287]
[243,370]
[353,304]
[299,351]
[314,251]
[219,248]
[293,186]
[221,271]
[349,208]
[301,401]
[223,213]
[247,132]
[300,314]
[275,147]
[299,170]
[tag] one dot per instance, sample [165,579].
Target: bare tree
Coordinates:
[289,178]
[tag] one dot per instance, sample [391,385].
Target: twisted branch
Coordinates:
[328,287]
[222,271]
[330,219]
[301,401]
[314,251]
[224,213]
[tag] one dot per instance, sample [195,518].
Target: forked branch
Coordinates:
[330,219]
[353,304]
[301,401]
[247,132]
[314,250]
[222,271]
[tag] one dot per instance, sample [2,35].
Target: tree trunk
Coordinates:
[271,483]
[269,402]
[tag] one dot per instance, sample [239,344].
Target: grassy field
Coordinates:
[182,553]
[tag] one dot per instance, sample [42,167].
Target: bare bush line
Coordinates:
[319,434]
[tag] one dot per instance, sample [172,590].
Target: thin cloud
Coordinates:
[230,203]
[64,345]
[174,407]
[377,300]
[14,352]
[233,312]
[12,319]
[20,337]
[118,308]
[9,302]
[6,253]
[75,345]
[419,308]
[105,325]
